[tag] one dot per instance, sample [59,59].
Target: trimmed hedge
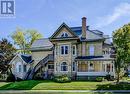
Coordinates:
[62,79]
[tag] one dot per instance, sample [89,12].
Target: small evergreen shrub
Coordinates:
[99,79]
[62,79]
[10,78]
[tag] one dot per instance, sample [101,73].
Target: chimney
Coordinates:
[84,27]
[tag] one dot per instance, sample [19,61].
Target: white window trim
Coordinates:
[67,67]
[64,50]
[90,52]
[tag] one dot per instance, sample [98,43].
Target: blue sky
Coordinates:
[47,15]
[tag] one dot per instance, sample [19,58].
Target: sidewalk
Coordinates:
[60,91]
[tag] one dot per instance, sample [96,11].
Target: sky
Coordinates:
[46,16]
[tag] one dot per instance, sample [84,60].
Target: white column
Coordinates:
[100,66]
[105,67]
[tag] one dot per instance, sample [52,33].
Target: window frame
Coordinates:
[63,35]
[20,68]
[50,65]
[62,67]
[73,66]
[74,50]
[24,68]
[63,49]
[91,51]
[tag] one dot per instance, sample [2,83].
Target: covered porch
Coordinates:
[95,67]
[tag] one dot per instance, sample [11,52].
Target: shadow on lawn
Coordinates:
[21,85]
[114,86]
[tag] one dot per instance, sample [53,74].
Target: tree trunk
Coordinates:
[118,77]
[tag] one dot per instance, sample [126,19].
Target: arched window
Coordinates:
[64,66]
[64,34]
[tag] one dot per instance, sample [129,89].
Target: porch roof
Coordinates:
[93,58]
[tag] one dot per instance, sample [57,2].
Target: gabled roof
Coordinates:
[63,25]
[42,44]
[26,58]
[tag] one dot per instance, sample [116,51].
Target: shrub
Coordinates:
[62,79]
[10,78]
[99,79]
[108,77]
[19,79]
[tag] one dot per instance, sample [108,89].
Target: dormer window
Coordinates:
[64,34]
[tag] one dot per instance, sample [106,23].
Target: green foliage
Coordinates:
[121,41]
[6,54]
[62,79]
[10,78]
[25,38]
[99,79]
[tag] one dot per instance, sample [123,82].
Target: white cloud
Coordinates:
[122,9]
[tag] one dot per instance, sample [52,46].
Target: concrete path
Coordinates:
[45,91]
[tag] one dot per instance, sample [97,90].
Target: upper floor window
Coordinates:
[64,66]
[64,34]
[64,49]
[91,50]
[74,50]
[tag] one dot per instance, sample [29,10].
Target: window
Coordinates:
[50,66]
[64,66]
[64,34]
[74,66]
[64,49]
[24,68]
[74,50]
[91,50]
[20,68]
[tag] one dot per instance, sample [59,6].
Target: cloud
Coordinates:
[122,9]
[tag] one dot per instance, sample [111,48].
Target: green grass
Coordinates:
[50,85]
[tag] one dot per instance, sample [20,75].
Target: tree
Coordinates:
[121,41]
[6,54]
[24,39]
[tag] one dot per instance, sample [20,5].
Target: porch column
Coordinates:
[77,66]
[100,65]
[105,66]
[88,66]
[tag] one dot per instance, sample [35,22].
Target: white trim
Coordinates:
[16,57]
[67,67]
[64,49]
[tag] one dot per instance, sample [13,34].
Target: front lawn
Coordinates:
[50,85]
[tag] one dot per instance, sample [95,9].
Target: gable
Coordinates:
[63,29]
[16,59]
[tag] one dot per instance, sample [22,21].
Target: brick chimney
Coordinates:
[84,27]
